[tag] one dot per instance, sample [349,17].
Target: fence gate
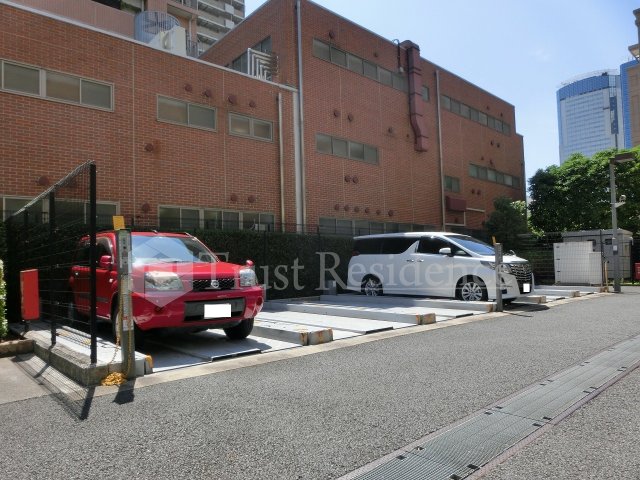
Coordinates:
[52,233]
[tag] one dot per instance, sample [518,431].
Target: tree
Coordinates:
[576,196]
[507,221]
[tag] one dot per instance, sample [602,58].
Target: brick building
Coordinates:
[325,124]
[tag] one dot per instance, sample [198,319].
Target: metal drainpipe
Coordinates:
[440,161]
[303,205]
[281,153]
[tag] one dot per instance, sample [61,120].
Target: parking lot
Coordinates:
[298,323]
[282,325]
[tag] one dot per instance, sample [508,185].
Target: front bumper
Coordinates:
[156,310]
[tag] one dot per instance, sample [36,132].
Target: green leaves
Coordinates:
[575,195]
[507,221]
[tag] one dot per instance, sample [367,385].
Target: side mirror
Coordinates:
[445,251]
[106,262]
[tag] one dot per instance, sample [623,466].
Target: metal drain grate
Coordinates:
[460,451]
[413,467]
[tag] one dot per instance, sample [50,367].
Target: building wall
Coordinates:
[590,115]
[631,90]
[405,186]
[156,163]
[185,166]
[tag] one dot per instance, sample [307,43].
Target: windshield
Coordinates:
[472,244]
[158,249]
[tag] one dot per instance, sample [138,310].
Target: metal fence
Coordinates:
[578,258]
[43,236]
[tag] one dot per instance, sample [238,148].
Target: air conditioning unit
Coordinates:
[577,264]
[174,40]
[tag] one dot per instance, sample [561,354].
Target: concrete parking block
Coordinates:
[533,299]
[291,332]
[557,293]
[405,301]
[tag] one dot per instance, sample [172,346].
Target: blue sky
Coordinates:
[519,50]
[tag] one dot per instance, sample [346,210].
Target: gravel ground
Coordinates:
[318,416]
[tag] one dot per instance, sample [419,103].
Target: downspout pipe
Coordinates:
[281,158]
[416,104]
[301,212]
[440,155]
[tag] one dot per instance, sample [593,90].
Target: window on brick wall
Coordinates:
[190,218]
[425,93]
[471,113]
[180,112]
[73,210]
[452,184]
[67,88]
[348,227]
[491,175]
[359,65]
[346,148]
[244,126]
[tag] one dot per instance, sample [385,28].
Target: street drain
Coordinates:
[462,450]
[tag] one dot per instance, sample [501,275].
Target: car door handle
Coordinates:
[419,261]
[410,260]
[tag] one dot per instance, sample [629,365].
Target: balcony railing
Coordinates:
[188,3]
[193,48]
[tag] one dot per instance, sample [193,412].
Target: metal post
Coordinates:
[93,319]
[498,250]
[125,312]
[52,231]
[614,228]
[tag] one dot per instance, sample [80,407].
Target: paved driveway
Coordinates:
[329,411]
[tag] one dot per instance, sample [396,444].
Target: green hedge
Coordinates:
[4,329]
[289,264]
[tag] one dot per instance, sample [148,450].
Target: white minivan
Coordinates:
[435,264]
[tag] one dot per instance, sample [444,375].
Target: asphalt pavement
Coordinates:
[323,414]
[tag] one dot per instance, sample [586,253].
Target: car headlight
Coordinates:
[248,278]
[162,281]
[504,267]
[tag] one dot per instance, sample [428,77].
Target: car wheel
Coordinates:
[471,289]
[371,286]
[240,331]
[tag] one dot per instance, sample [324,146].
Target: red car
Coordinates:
[177,283]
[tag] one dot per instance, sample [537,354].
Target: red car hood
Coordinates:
[192,270]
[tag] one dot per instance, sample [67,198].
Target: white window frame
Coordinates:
[252,121]
[187,124]
[42,86]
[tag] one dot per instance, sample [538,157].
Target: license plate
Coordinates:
[218,310]
[526,287]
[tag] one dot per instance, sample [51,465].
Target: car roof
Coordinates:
[151,234]
[408,235]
